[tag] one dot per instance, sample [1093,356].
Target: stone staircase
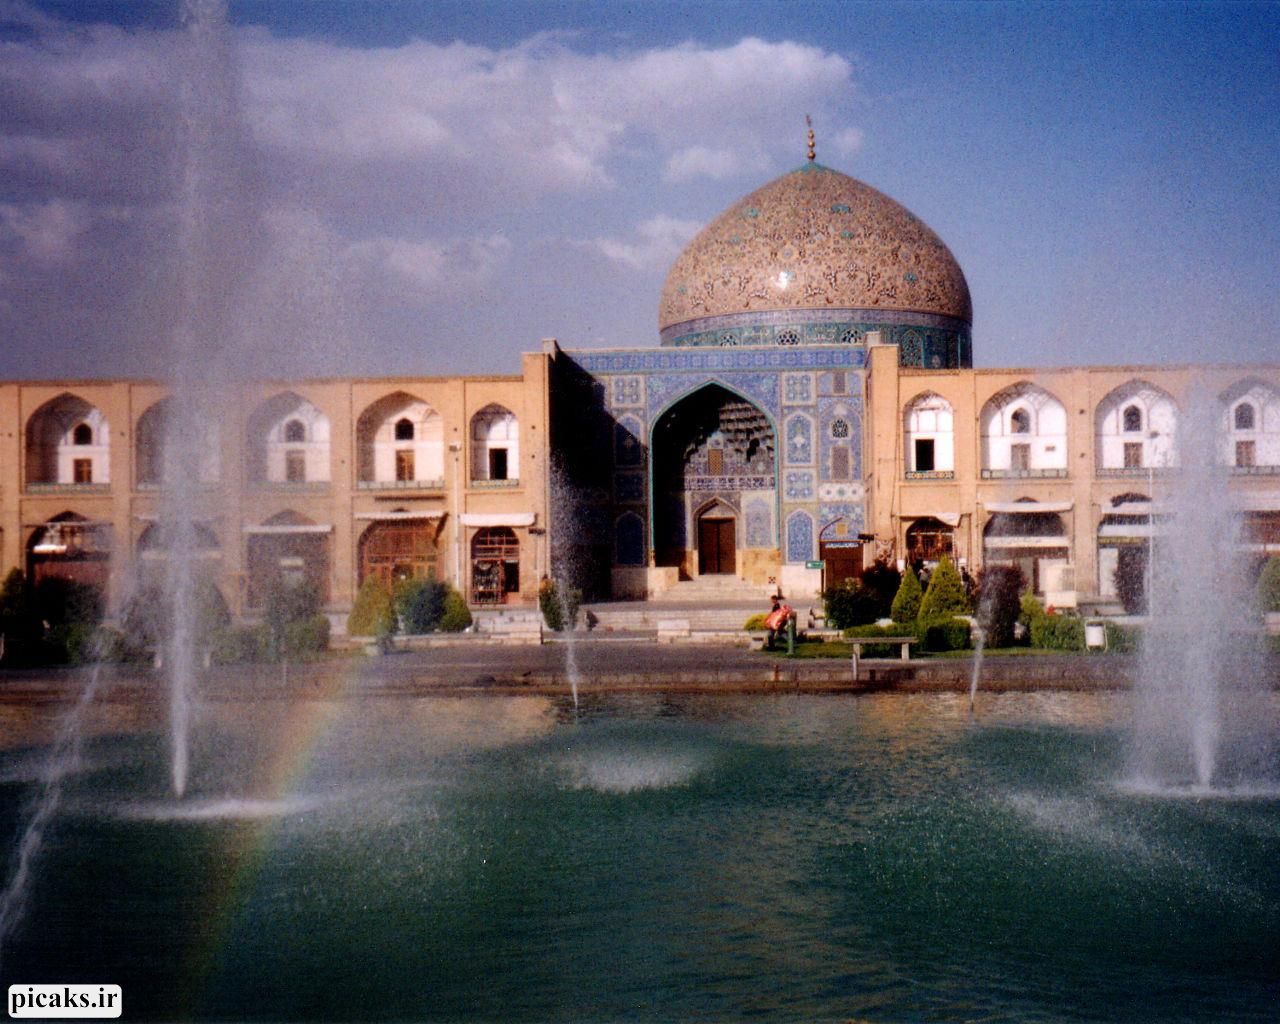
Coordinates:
[635,617]
[715,589]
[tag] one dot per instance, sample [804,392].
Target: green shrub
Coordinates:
[457,616]
[148,616]
[1030,610]
[1058,633]
[1268,589]
[947,635]
[945,596]
[756,624]
[999,587]
[906,603]
[71,643]
[881,650]
[419,604]
[373,613]
[304,638]
[236,645]
[850,604]
[1122,639]
[549,603]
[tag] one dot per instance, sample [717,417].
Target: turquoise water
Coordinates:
[881,858]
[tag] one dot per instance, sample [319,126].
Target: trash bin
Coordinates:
[1095,635]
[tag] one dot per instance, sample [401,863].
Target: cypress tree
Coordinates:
[1269,586]
[945,596]
[906,602]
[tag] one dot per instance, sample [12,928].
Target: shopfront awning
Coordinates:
[1025,542]
[1259,501]
[289,528]
[951,519]
[498,518]
[1027,507]
[399,515]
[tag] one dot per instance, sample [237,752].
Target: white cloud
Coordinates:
[435,266]
[407,178]
[661,240]
[48,233]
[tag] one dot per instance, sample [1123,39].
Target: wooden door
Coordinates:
[717,541]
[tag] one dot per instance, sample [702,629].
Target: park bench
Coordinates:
[858,642]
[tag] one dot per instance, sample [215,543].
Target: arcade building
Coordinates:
[811,407]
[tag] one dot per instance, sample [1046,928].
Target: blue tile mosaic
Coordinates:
[799,485]
[799,537]
[799,440]
[629,539]
[629,487]
[759,524]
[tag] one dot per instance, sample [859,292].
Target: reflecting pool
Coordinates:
[879,858]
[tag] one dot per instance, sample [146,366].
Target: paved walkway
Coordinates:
[602,664]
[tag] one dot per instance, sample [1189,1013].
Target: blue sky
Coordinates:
[431,188]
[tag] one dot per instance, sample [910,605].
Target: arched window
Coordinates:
[930,440]
[68,442]
[1245,417]
[495,444]
[1136,430]
[400,439]
[1024,433]
[288,442]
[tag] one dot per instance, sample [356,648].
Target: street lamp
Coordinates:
[456,448]
[1151,519]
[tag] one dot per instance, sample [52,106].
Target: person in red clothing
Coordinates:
[776,620]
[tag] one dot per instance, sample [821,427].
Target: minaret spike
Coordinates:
[812,152]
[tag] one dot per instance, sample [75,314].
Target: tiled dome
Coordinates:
[814,239]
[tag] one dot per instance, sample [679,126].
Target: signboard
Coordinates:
[814,565]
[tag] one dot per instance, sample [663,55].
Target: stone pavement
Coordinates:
[597,664]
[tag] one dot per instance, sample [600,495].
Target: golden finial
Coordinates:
[812,152]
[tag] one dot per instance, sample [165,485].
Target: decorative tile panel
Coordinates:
[629,540]
[629,487]
[832,514]
[799,485]
[834,492]
[799,537]
[759,524]
[628,391]
[628,449]
[797,388]
[799,446]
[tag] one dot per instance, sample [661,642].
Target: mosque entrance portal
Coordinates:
[715,485]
